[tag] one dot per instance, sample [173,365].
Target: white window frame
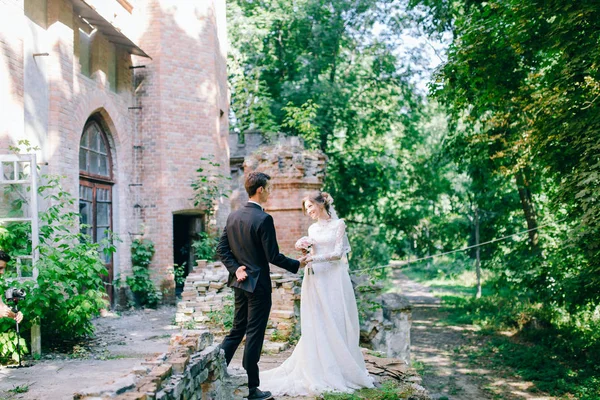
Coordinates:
[32,182]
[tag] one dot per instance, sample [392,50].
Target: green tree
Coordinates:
[327,75]
[520,86]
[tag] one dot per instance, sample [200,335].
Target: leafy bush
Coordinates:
[146,294]
[69,291]
[389,390]
[205,247]
[179,272]
[15,238]
[209,185]
[8,347]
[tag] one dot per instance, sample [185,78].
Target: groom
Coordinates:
[246,248]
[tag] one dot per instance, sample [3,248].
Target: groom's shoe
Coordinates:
[257,394]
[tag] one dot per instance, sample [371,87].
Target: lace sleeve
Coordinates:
[341,247]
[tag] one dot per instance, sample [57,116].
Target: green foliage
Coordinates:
[142,251]
[514,138]
[556,349]
[223,318]
[15,238]
[179,274]
[365,305]
[19,389]
[140,283]
[389,390]
[191,325]
[209,186]
[70,285]
[322,73]
[205,247]
[558,354]
[519,85]
[69,291]
[300,121]
[277,336]
[23,147]
[369,250]
[8,347]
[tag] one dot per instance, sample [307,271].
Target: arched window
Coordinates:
[94,154]
[95,187]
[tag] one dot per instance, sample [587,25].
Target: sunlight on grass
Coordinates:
[553,349]
[444,281]
[389,390]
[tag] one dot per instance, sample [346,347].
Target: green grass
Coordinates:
[549,371]
[457,283]
[389,390]
[420,367]
[556,350]
[19,389]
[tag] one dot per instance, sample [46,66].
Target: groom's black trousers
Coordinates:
[251,317]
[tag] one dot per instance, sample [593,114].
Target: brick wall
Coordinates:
[11,70]
[184,115]
[182,90]
[295,173]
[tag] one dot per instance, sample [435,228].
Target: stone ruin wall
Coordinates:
[295,172]
[206,292]
[194,368]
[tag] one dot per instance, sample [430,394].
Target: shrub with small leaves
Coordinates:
[140,283]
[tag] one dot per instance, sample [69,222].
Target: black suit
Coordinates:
[249,239]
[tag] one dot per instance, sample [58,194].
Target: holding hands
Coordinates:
[303,261]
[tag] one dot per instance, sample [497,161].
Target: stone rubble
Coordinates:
[193,368]
[206,292]
[385,327]
[385,369]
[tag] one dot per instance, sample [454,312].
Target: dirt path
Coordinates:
[440,351]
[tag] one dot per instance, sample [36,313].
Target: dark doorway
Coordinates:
[186,230]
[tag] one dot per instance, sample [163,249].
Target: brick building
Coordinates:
[123,97]
[295,173]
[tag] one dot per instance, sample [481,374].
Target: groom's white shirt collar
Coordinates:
[258,204]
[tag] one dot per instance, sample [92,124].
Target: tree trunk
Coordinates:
[429,263]
[528,209]
[477,254]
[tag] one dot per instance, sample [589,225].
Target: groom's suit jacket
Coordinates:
[249,239]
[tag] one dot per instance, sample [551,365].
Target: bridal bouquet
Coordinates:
[305,244]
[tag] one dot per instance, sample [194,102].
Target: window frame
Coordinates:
[96,181]
[85,174]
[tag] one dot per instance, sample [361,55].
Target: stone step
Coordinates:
[275,347]
[284,314]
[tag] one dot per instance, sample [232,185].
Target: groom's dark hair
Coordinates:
[254,180]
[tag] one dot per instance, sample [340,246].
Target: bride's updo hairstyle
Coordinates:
[322,199]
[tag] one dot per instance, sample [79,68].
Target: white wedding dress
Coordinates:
[327,356]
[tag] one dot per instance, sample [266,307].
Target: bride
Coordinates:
[327,357]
